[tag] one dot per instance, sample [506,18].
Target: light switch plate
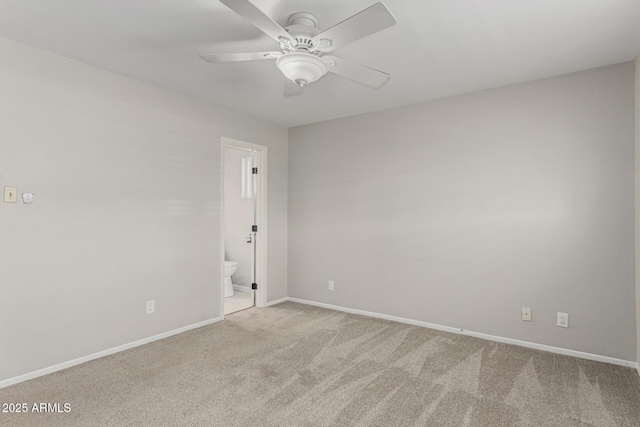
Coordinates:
[10,194]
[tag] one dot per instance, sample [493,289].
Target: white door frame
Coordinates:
[261,217]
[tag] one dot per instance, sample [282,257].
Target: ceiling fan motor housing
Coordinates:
[302,27]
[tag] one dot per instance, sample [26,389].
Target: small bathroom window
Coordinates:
[247,177]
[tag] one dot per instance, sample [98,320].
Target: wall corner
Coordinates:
[637,204]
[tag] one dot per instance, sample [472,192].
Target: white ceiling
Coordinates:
[438,48]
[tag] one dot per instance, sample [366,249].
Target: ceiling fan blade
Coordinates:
[356,72]
[291,88]
[248,11]
[234,57]
[366,22]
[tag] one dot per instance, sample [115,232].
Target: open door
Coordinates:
[253,176]
[244,238]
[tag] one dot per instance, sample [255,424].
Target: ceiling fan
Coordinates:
[303,51]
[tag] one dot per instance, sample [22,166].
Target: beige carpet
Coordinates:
[295,365]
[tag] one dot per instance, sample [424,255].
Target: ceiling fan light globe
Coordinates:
[301,68]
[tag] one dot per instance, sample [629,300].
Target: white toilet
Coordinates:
[230,267]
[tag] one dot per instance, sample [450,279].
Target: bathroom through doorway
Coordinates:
[243,225]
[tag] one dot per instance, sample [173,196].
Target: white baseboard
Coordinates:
[278,301]
[70,363]
[558,350]
[551,349]
[241,288]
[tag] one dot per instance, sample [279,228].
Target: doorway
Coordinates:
[243,225]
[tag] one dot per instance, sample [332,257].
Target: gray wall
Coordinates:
[238,217]
[127,184]
[461,211]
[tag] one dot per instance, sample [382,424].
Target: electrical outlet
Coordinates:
[526,314]
[331,285]
[151,306]
[563,320]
